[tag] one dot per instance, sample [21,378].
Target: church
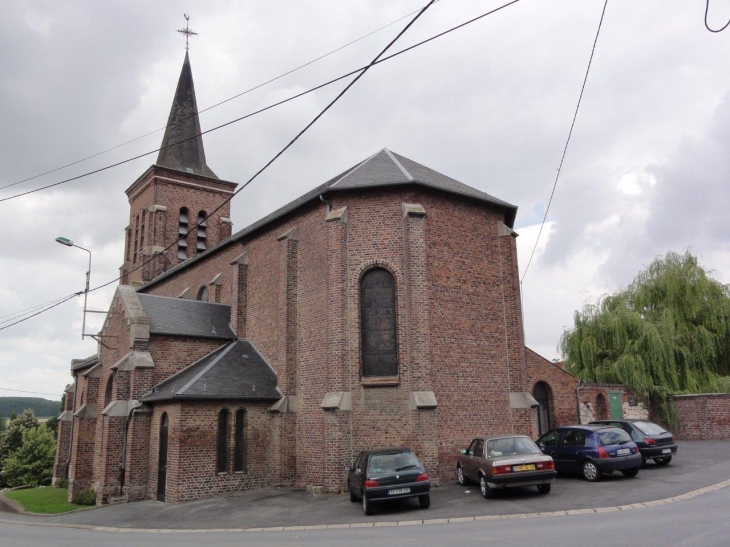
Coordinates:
[380,308]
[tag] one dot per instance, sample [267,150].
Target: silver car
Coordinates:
[505,461]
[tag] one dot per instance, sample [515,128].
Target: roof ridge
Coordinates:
[206,368]
[400,166]
[351,171]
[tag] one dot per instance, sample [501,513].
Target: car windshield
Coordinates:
[393,462]
[613,436]
[649,428]
[511,446]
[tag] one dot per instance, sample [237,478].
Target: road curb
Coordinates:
[551,514]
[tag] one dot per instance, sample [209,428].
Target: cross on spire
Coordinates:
[186,31]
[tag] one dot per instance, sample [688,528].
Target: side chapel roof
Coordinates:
[183,317]
[234,371]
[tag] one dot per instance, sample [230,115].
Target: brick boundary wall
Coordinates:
[702,417]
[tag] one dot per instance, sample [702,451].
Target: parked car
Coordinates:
[388,474]
[591,450]
[654,442]
[505,461]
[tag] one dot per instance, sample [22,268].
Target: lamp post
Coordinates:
[68,243]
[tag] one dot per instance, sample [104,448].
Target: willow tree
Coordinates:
[667,333]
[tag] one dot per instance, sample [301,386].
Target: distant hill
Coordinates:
[41,407]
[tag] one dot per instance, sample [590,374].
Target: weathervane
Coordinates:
[186,31]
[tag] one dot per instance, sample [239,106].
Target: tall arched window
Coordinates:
[222,460]
[202,232]
[182,231]
[109,390]
[203,294]
[542,394]
[239,453]
[377,305]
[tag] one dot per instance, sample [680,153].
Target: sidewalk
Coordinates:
[700,466]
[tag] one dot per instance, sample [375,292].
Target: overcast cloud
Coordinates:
[490,105]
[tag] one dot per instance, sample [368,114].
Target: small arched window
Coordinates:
[377,305]
[182,232]
[202,294]
[202,232]
[108,392]
[222,452]
[239,453]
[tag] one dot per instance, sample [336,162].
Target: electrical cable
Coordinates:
[567,142]
[707,9]
[28,310]
[271,106]
[214,105]
[43,310]
[334,80]
[31,392]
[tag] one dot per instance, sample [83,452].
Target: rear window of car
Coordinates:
[649,428]
[390,463]
[612,435]
[511,445]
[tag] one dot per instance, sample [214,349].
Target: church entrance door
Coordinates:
[162,460]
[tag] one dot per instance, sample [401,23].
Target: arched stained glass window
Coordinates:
[377,304]
[239,452]
[222,460]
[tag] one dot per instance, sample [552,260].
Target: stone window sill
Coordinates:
[379,381]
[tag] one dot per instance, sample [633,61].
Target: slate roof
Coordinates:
[82,364]
[382,169]
[234,371]
[183,317]
[183,123]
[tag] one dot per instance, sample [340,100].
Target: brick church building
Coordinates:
[380,308]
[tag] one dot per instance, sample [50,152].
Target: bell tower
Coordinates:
[174,195]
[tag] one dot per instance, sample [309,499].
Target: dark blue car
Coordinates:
[591,450]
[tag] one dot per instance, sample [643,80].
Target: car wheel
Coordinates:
[591,472]
[630,472]
[461,477]
[353,496]
[544,488]
[487,492]
[664,460]
[367,505]
[425,501]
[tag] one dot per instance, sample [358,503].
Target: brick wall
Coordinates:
[595,405]
[702,417]
[561,386]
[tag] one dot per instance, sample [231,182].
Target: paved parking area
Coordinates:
[698,464]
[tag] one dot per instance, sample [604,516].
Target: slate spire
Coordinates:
[183,125]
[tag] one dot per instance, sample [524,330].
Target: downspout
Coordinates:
[329,205]
[73,420]
[123,464]
[581,385]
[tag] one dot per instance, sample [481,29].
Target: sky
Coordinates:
[647,170]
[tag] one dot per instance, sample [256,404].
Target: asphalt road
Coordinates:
[698,464]
[698,522]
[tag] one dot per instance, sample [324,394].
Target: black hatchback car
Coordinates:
[654,442]
[388,474]
[591,450]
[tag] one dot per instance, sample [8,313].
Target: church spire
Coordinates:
[182,127]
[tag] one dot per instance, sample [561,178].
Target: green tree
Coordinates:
[12,439]
[667,333]
[32,463]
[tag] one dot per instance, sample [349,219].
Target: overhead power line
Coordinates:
[259,111]
[58,303]
[707,26]
[211,107]
[31,392]
[28,310]
[142,264]
[567,142]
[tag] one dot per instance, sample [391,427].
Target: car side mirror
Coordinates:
[463,450]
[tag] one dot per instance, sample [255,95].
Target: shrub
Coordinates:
[62,483]
[32,463]
[84,497]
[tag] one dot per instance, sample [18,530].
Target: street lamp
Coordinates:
[68,243]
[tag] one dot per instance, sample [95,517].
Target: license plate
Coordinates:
[526,467]
[667,451]
[623,451]
[396,491]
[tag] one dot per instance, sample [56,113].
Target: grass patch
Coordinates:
[49,500]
